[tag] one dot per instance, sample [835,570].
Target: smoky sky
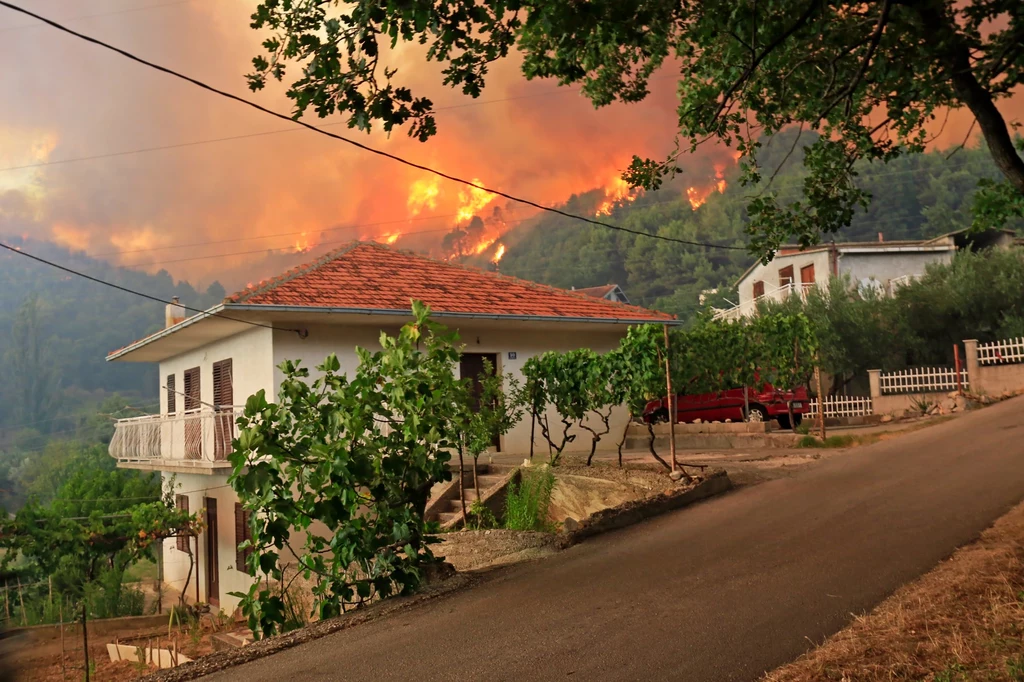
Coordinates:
[61,98]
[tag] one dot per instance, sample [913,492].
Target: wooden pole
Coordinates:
[956,363]
[21,598]
[63,673]
[160,575]
[821,401]
[85,640]
[7,601]
[671,403]
[196,560]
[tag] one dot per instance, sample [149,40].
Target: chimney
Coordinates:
[173,313]
[881,237]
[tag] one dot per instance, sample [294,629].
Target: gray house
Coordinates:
[882,264]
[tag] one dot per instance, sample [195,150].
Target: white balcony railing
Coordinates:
[200,438]
[750,307]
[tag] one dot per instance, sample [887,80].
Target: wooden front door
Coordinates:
[223,398]
[471,365]
[194,424]
[212,567]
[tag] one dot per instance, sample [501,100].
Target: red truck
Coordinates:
[765,404]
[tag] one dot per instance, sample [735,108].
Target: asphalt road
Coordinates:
[723,590]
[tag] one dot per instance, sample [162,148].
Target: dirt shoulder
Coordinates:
[961,622]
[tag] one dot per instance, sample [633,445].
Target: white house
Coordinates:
[882,264]
[211,362]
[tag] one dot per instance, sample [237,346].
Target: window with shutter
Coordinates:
[181,502]
[242,533]
[192,392]
[172,395]
[223,398]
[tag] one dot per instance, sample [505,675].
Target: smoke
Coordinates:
[236,209]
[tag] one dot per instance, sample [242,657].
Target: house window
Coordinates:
[172,395]
[786,276]
[181,502]
[807,275]
[758,289]
[242,533]
[192,401]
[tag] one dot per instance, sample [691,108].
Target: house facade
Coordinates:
[884,265]
[210,363]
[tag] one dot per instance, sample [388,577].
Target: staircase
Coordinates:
[446,507]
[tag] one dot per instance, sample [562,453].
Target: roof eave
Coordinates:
[327,310]
[187,322]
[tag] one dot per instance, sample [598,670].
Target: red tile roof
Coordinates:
[367,275]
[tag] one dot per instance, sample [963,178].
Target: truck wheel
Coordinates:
[756,413]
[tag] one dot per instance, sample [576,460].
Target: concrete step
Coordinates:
[445,517]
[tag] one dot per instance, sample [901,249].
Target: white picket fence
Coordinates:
[841,406]
[921,380]
[1002,352]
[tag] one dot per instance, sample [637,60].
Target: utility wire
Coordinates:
[354,143]
[137,293]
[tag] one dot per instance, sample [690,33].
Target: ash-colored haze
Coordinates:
[61,98]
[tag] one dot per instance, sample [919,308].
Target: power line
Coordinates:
[354,143]
[137,293]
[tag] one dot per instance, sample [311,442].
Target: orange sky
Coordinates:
[66,99]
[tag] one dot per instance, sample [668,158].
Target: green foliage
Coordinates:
[829,442]
[527,502]
[864,81]
[480,516]
[492,412]
[558,380]
[322,455]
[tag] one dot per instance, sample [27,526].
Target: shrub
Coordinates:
[526,506]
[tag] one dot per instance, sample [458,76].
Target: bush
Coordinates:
[526,506]
[830,442]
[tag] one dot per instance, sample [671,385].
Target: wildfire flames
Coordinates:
[617,193]
[498,253]
[303,243]
[423,194]
[697,196]
[473,200]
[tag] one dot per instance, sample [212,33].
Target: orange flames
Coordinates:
[617,193]
[498,253]
[303,243]
[473,200]
[423,194]
[697,196]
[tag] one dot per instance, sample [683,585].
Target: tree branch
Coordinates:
[876,38]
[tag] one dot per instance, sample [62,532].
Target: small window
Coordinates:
[807,275]
[786,276]
[758,289]
[192,391]
[242,533]
[181,502]
[172,395]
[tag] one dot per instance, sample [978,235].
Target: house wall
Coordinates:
[520,340]
[769,274]
[883,267]
[252,369]
[198,487]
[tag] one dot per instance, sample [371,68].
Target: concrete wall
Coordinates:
[519,340]
[883,267]
[991,380]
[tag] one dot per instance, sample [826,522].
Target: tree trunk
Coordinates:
[622,441]
[650,445]
[462,487]
[85,640]
[476,480]
[533,430]
[974,95]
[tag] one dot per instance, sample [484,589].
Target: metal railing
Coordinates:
[1003,352]
[921,380]
[841,406]
[195,437]
[750,307]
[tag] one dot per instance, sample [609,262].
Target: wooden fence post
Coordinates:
[63,673]
[21,599]
[671,403]
[821,401]
[85,639]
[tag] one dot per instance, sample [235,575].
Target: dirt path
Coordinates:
[721,591]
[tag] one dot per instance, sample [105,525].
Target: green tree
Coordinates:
[356,456]
[867,79]
[30,367]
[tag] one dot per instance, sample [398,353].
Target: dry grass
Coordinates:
[963,621]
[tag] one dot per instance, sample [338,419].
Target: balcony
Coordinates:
[750,307]
[193,441]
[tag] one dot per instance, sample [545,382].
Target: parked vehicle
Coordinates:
[768,403]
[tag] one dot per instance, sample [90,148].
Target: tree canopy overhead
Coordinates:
[871,78]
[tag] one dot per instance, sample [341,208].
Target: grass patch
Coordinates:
[144,570]
[963,621]
[526,505]
[843,441]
